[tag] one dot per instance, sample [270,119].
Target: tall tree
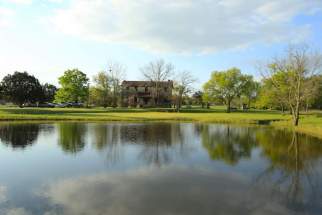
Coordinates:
[21,88]
[317,101]
[224,86]
[157,72]
[270,97]
[183,85]
[116,74]
[250,89]
[49,92]
[312,87]
[74,87]
[100,92]
[1,92]
[198,98]
[296,69]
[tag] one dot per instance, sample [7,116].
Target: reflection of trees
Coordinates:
[158,143]
[107,139]
[161,143]
[227,143]
[19,135]
[72,137]
[293,158]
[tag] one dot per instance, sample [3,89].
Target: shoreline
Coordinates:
[310,124]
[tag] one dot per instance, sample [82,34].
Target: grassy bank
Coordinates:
[310,123]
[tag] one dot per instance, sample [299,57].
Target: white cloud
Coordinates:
[199,191]
[185,25]
[56,1]
[20,1]
[6,17]
[3,194]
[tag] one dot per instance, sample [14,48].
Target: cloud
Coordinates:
[16,211]
[185,25]
[3,194]
[164,191]
[6,17]
[25,2]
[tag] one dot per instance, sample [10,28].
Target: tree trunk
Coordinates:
[307,107]
[178,104]
[228,106]
[296,114]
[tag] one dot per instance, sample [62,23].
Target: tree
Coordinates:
[198,98]
[295,70]
[1,92]
[311,91]
[21,88]
[157,72]
[183,85]
[317,101]
[74,87]
[117,74]
[224,86]
[101,91]
[270,97]
[49,92]
[250,89]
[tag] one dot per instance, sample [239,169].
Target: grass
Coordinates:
[310,123]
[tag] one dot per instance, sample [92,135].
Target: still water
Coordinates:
[157,168]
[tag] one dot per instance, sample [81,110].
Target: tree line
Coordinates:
[291,82]
[21,88]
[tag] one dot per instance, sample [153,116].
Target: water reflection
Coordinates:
[160,191]
[294,161]
[227,143]
[158,144]
[171,168]
[19,135]
[72,137]
[106,139]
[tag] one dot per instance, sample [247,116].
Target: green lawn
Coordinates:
[310,123]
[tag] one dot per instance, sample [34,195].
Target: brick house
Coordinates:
[145,93]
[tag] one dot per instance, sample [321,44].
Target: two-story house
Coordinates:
[146,93]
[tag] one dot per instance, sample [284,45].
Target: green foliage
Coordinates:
[197,97]
[224,86]
[100,93]
[270,97]
[74,87]
[21,88]
[49,92]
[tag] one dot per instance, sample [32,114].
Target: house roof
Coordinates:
[168,83]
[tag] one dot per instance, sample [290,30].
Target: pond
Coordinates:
[157,168]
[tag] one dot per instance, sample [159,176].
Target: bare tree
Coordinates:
[291,73]
[117,74]
[183,86]
[157,72]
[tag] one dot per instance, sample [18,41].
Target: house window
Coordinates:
[165,89]
[136,88]
[146,89]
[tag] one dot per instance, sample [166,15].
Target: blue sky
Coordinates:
[46,37]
